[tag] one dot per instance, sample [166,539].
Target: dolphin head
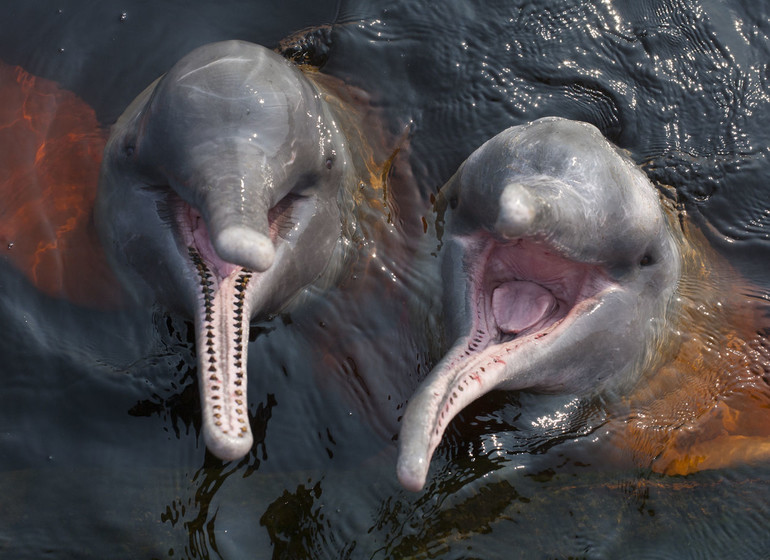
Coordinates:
[220,196]
[234,129]
[559,266]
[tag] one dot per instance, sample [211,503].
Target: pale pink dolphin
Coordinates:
[223,193]
[558,269]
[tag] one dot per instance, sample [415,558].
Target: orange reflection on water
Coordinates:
[732,425]
[708,406]
[50,150]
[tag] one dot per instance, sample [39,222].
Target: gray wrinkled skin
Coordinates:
[559,269]
[220,197]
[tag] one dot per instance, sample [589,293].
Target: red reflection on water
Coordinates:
[50,150]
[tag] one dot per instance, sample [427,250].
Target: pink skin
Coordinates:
[522,294]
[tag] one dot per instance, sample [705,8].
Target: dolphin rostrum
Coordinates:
[559,270]
[223,193]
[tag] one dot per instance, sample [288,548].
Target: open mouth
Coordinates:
[523,296]
[222,314]
[523,290]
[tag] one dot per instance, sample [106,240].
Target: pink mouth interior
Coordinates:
[195,233]
[201,241]
[524,287]
[518,305]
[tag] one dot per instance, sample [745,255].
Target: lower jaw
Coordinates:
[222,325]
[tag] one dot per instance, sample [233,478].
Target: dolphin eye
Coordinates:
[329,162]
[646,260]
[129,150]
[453,202]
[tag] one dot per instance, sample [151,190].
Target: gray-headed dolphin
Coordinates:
[223,193]
[559,268]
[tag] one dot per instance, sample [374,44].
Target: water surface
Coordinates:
[100,447]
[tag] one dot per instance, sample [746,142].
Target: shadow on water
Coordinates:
[100,448]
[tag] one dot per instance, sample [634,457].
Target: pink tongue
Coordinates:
[518,305]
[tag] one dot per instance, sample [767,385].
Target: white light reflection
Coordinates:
[558,418]
[490,446]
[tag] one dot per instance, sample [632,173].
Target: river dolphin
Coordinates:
[222,195]
[559,269]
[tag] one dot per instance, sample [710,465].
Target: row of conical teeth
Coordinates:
[206,285]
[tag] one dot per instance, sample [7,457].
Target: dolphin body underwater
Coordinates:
[224,192]
[560,270]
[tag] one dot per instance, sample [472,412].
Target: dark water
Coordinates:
[100,452]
